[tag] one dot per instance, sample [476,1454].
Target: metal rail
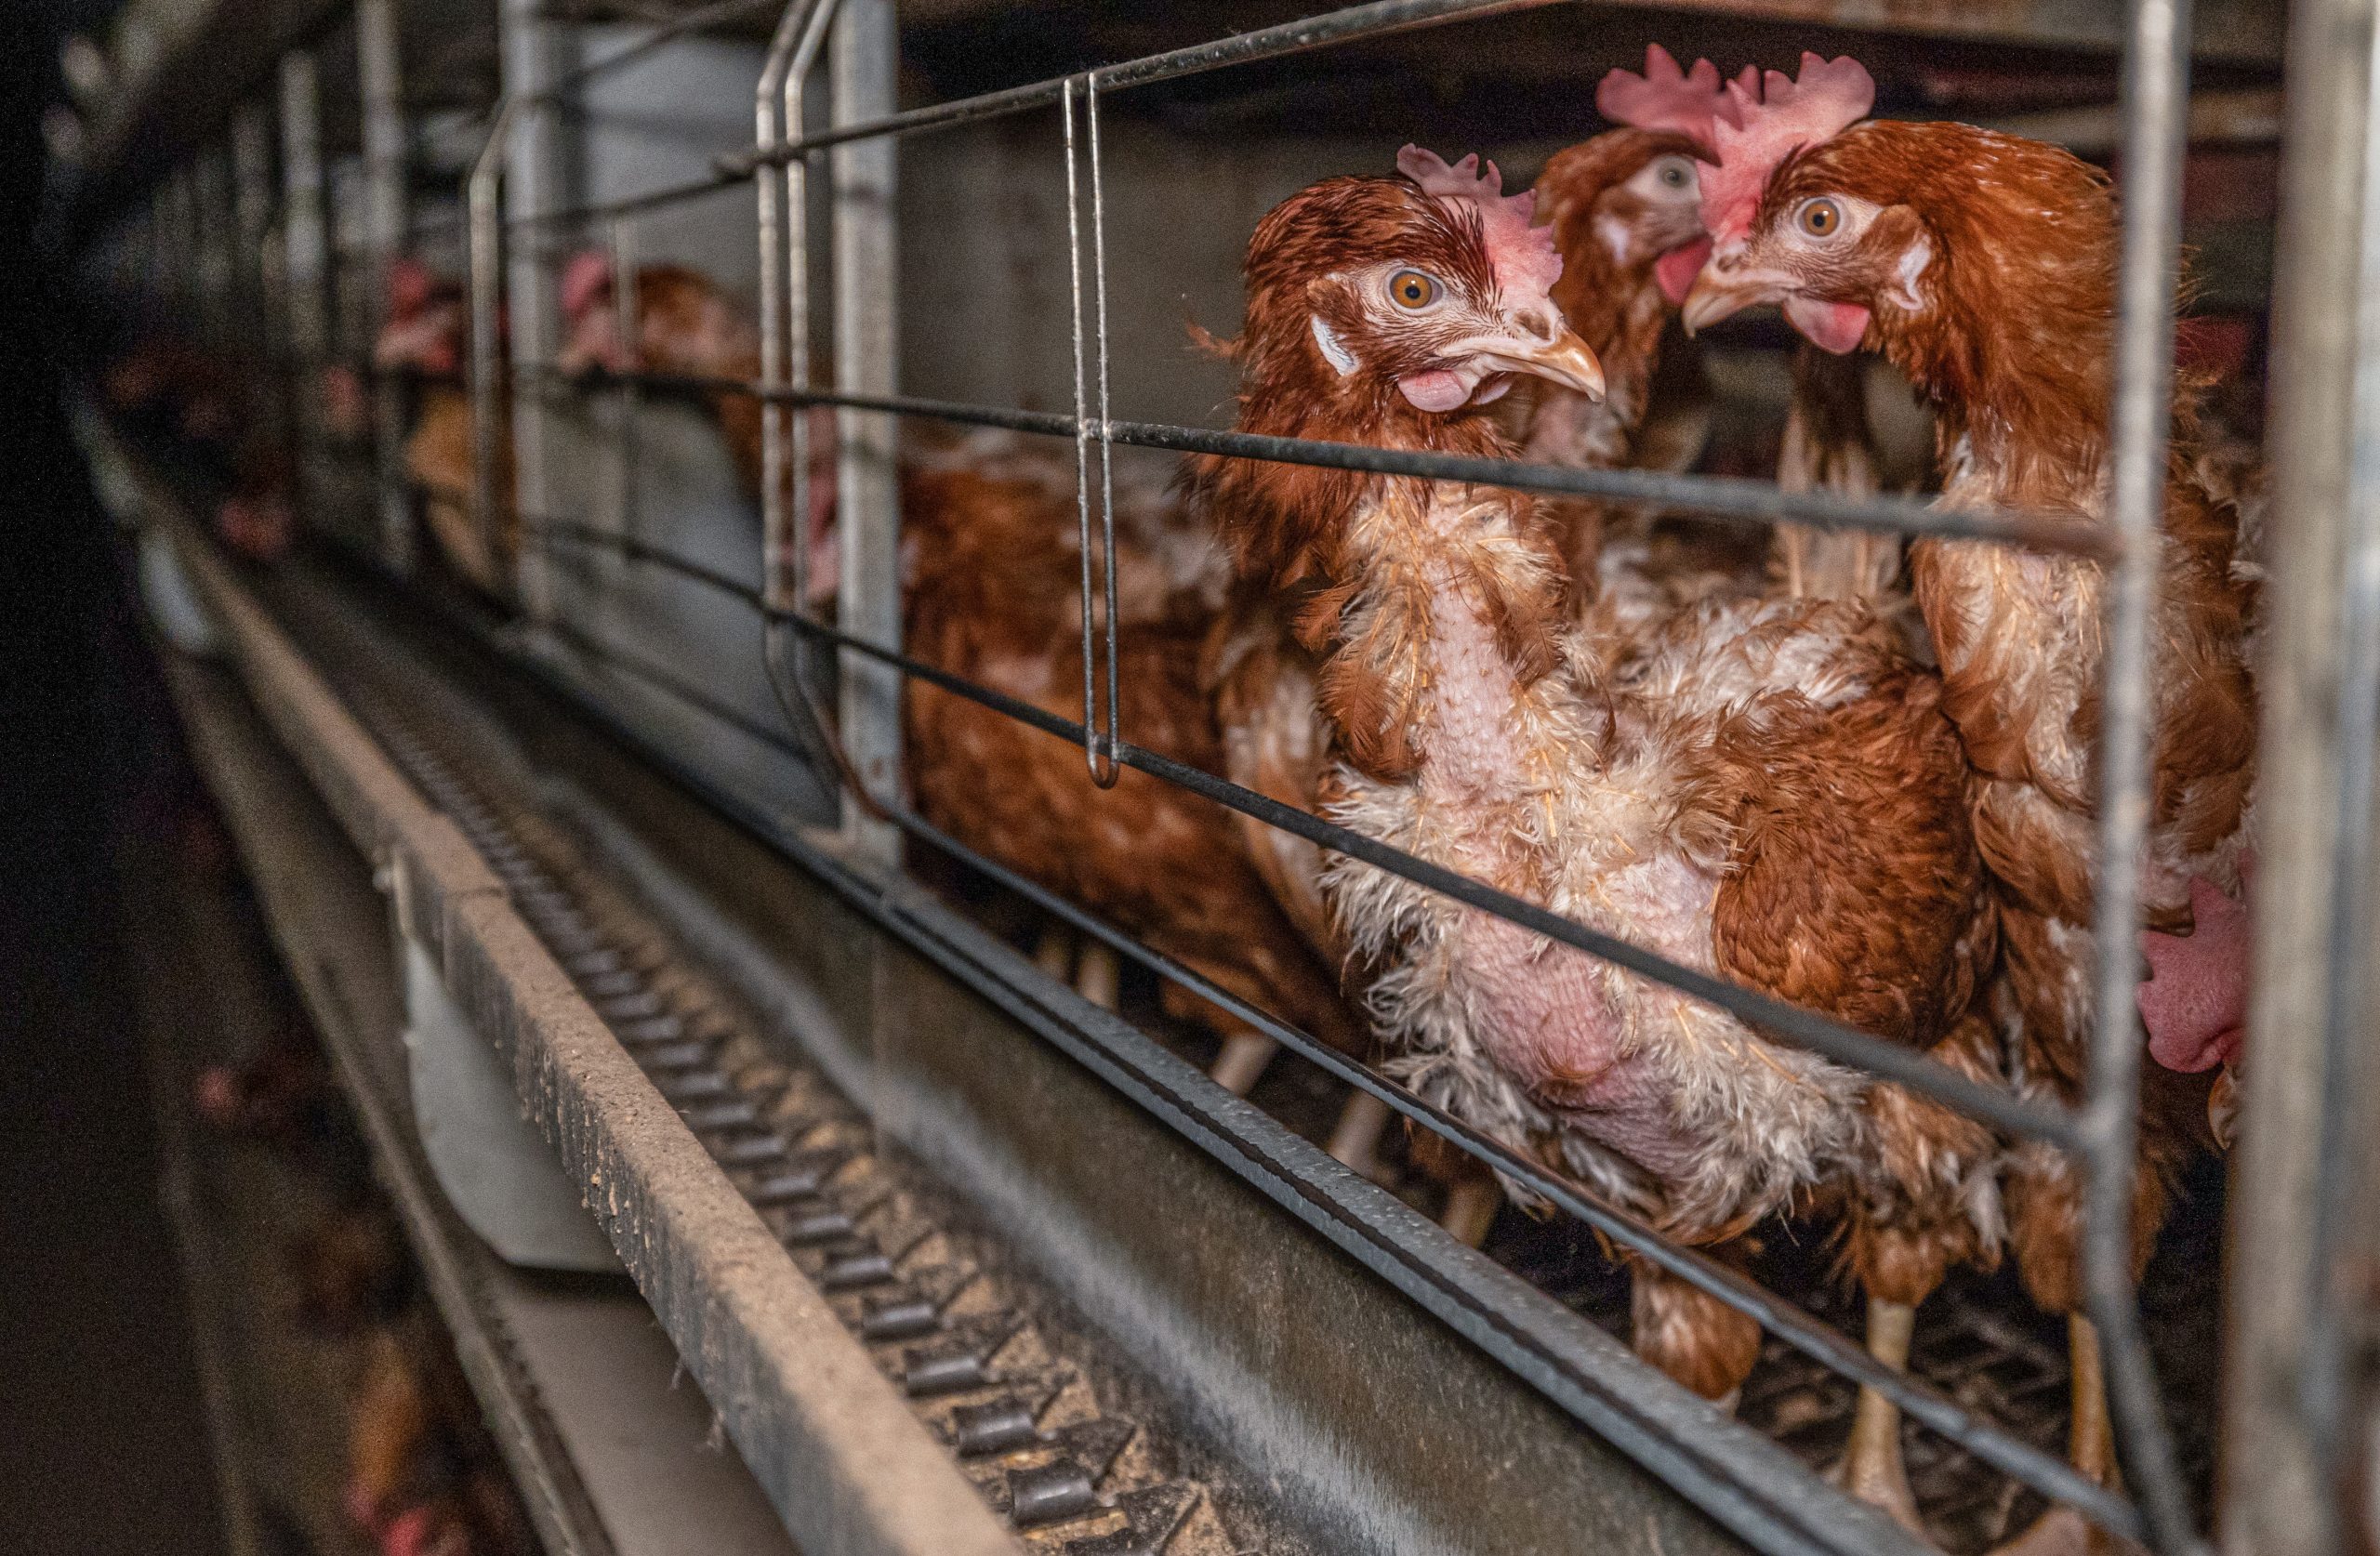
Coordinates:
[1719,497]
[2155,105]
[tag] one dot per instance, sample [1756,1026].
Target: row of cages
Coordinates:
[1680,789]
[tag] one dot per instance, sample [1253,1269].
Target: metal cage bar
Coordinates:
[863,61]
[380,65]
[2155,107]
[2284,1489]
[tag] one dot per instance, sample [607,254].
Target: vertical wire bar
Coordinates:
[251,218]
[2323,1378]
[2279,1495]
[1091,747]
[379,62]
[301,172]
[2156,83]
[533,181]
[769,183]
[627,320]
[793,549]
[780,110]
[487,281]
[793,111]
[1103,768]
[865,245]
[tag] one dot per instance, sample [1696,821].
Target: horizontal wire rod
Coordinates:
[1723,497]
[1267,43]
[2048,1473]
[1805,1029]
[662,35]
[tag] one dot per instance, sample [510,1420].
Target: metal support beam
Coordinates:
[863,59]
[2280,1496]
[533,181]
[380,65]
[305,266]
[252,220]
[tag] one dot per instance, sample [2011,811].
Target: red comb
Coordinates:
[1666,97]
[410,286]
[588,273]
[1524,257]
[1826,97]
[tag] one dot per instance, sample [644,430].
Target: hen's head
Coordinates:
[425,324]
[1627,206]
[683,324]
[1371,299]
[1943,245]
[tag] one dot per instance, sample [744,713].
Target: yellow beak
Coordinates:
[1722,292]
[1565,359]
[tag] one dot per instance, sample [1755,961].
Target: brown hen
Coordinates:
[1984,267]
[1776,797]
[992,573]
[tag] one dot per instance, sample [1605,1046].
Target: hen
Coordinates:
[991,563]
[1778,799]
[1624,211]
[422,338]
[1984,267]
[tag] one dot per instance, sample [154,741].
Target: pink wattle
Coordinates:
[1438,391]
[2195,1004]
[1837,327]
[1676,269]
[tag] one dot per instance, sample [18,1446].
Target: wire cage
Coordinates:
[495,145]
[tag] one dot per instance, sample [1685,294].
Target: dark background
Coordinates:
[102,1441]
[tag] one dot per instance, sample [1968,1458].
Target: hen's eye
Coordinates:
[1820,219]
[1674,175]
[1412,289]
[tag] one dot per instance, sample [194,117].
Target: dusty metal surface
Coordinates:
[333,932]
[847,1466]
[576,1365]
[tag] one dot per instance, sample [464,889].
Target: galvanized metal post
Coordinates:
[252,220]
[2278,1495]
[211,240]
[534,182]
[380,65]
[864,58]
[304,260]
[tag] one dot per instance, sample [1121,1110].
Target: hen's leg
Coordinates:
[1915,1219]
[1097,975]
[1355,1142]
[1241,1064]
[1472,1200]
[1873,1470]
[2044,1204]
[1054,954]
[1690,1335]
